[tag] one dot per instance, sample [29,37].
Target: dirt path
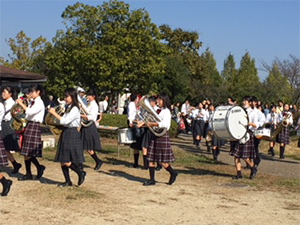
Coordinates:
[269,165]
[115,195]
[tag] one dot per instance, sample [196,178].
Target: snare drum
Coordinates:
[263,134]
[229,123]
[125,136]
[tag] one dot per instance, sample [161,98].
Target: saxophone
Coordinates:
[283,124]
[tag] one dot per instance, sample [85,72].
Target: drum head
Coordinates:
[237,122]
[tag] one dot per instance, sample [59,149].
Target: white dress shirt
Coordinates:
[253,118]
[165,116]
[261,118]
[8,104]
[131,112]
[272,118]
[185,108]
[2,112]
[72,118]
[36,110]
[202,114]
[93,110]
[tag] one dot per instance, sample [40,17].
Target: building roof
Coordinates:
[7,73]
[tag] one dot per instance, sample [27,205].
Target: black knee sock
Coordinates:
[15,163]
[152,173]
[75,168]
[282,148]
[66,173]
[35,162]
[197,142]
[95,157]
[136,158]
[239,173]
[28,167]
[145,161]
[170,170]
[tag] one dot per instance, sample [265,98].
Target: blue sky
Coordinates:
[267,29]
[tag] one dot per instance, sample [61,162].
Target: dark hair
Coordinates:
[133,97]
[262,109]
[253,99]
[73,94]
[36,87]
[12,91]
[280,101]
[92,92]
[247,98]
[152,99]
[26,91]
[166,101]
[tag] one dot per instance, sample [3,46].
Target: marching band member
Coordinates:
[9,136]
[137,132]
[3,158]
[32,143]
[199,115]
[160,150]
[90,136]
[216,142]
[149,135]
[246,150]
[271,122]
[70,147]
[284,136]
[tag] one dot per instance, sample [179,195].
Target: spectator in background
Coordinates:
[266,109]
[81,93]
[104,105]
[231,101]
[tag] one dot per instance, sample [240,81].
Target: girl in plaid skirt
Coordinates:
[32,141]
[246,150]
[283,138]
[90,136]
[3,159]
[70,147]
[160,150]
[8,135]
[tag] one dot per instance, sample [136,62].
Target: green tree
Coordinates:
[276,86]
[247,80]
[25,53]
[229,74]
[107,47]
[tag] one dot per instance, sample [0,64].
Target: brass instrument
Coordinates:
[18,121]
[283,124]
[148,114]
[53,123]
[84,111]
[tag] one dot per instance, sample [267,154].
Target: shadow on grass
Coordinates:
[115,161]
[270,158]
[202,172]
[118,173]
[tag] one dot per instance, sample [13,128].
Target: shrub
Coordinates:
[116,120]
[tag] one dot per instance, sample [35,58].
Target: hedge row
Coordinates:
[116,120]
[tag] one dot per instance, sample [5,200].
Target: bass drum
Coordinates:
[229,123]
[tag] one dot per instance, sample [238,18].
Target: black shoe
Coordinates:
[253,173]
[6,189]
[65,184]
[149,182]
[40,172]
[145,168]
[135,166]
[173,178]
[158,168]
[237,177]
[282,157]
[25,177]
[98,165]
[81,178]
[16,168]
[269,152]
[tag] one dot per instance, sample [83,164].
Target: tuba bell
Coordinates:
[84,111]
[53,123]
[148,114]
[18,121]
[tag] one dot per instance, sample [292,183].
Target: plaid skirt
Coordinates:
[246,150]
[9,137]
[147,138]
[90,138]
[70,147]
[160,149]
[283,136]
[32,140]
[198,128]
[217,142]
[3,155]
